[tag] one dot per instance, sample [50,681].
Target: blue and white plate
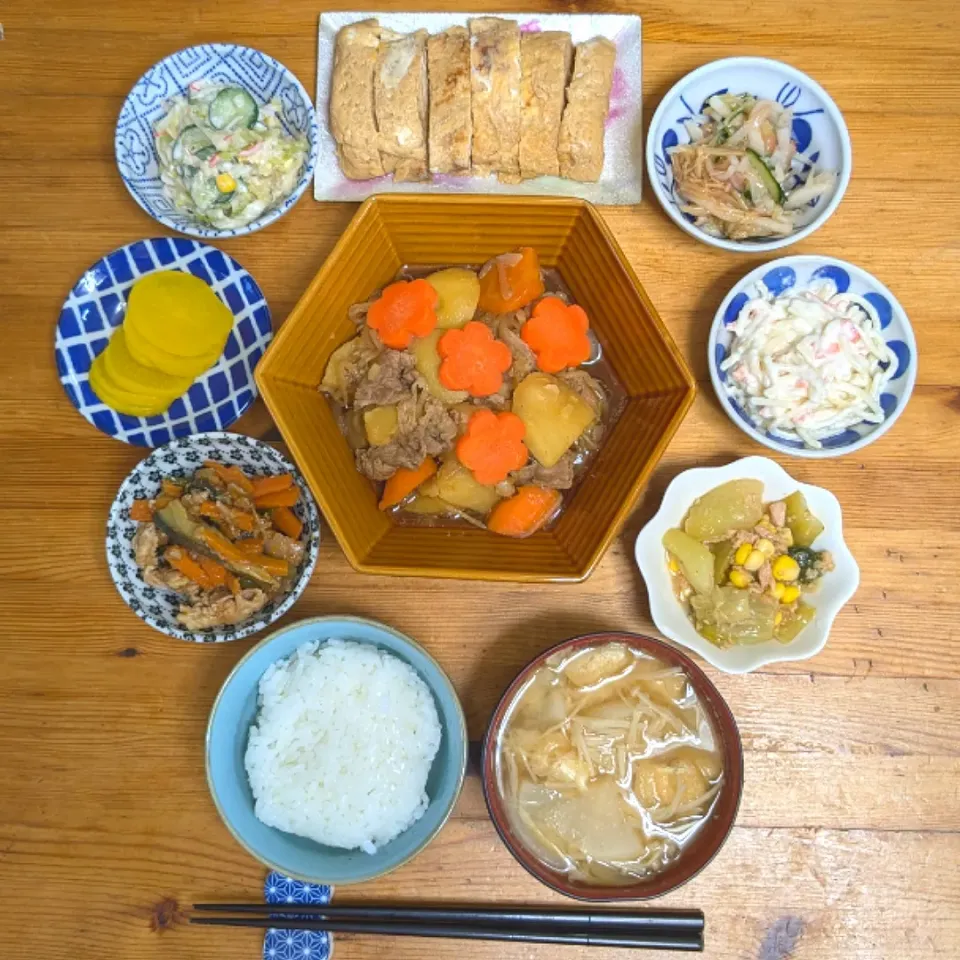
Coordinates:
[96,307]
[818,128]
[159,608]
[800,271]
[256,72]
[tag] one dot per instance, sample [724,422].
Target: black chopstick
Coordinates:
[600,921]
[653,939]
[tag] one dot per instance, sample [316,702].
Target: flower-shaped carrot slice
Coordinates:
[557,334]
[510,281]
[473,360]
[492,446]
[404,310]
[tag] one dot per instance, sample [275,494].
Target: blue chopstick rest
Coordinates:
[281,944]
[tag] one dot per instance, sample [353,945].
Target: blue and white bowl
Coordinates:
[799,271]
[263,76]
[818,128]
[158,607]
[95,309]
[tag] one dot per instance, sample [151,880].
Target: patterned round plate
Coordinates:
[96,306]
[159,607]
[261,75]
[800,272]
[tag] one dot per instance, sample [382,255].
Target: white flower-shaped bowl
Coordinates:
[799,272]
[818,128]
[836,587]
[264,77]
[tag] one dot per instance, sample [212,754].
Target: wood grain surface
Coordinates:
[848,839]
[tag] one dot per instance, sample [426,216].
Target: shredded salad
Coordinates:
[809,363]
[224,158]
[741,175]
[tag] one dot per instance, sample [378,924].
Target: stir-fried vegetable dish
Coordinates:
[473,395]
[741,175]
[742,568]
[227,543]
[224,158]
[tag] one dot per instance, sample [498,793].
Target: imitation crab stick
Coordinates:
[525,512]
[404,310]
[492,446]
[404,482]
[557,334]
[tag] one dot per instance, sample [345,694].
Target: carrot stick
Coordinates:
[216,573]
[233,583]
[189,567]
[141,511]
[250,545]
[220,545]
[273,565]
[209,509]
[231,474]
[525,512]
[170,488]
[265,485]
[287,522]
[404,482]
[282,498]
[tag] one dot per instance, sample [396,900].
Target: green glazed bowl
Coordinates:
[234,711]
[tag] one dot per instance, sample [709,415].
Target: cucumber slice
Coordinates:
[204,192]
[192,143]
[232,109]
[766,177]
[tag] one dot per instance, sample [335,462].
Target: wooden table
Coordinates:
[848,839]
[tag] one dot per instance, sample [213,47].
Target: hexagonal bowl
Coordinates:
[389,232]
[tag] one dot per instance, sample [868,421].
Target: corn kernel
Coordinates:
[790,594]
[778,590]
[673,565]
[743,551]
[786,568]
[755,561]
[778,619]
[766,547]
[740,579]
[226,183]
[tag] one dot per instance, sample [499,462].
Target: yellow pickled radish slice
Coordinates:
[123,401]
[130,375]
[149,355]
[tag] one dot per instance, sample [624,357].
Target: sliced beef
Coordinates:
[218,611]
[587,388]
[524,359]
[146,545]
[388,380]
[558,477]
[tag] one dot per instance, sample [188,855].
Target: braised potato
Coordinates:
[696,561]
[458,291]
[554,415]
[804,526]
[380,424]
[427,506]
[455,484]
[333,381]
[428,366]
[735,505]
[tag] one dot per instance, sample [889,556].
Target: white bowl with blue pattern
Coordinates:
[818,127]
[261,75]
[799,272]
[94,311]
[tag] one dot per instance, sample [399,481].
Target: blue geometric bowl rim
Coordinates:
[462,731]
[754,246]
[271,216]
[805,452]
[81,407]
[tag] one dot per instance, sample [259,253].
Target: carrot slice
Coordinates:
[510,281]
[287,522]
[209,509]
[404,310]
[171,489]
[525,512]
[275,565]
[216,573]
[404,482]
[185,564]
[231,474]
[557,334]
[233,583]
[141,511]
[473,360]
[250,545]
[492,445]
[219,544]
[265,485]
[282,498]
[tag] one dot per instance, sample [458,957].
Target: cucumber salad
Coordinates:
[225,159]
[741,175]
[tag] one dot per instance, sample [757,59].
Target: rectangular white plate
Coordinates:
[619,184]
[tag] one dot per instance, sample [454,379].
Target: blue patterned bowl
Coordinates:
[159,608]
[234,711]
[263,76]
[96,306]
[818,127]
[782,275]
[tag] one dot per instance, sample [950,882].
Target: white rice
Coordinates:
[342,745]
